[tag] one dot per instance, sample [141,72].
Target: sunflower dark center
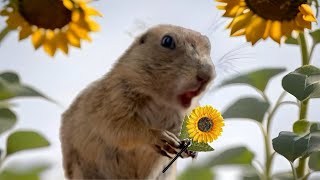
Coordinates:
[205,124]
[280,10]
[48,14]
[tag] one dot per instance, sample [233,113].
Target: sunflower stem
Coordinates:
[304,49]
[269,156]
[304,104]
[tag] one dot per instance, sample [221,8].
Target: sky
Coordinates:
[63,77]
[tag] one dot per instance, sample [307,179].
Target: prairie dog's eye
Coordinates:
[168,42]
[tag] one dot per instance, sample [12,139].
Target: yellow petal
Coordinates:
[37,38]
[192,134]
[73,39]
[240,22]
[275,31]
[306,10]
[93,26]
[267,29]
[254,32]
[68,4]
[200,139]
[89,11]
[195,138]
[301,22]
[80,32]
[25,32]
[49,43]
[76,15]
[62,42]
[287,28]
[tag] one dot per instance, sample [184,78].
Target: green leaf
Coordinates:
[7,119]
[195,146]
[248,107]
[258,79]
[303,83]
[292,40]
[193,173]
[301,127]
[237,155]
[11,87]
[283,176]
[31,173]
[315,36]
[184,132]
[314,161]
[292,146]
[25,140]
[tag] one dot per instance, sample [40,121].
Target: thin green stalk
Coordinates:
[270,117]
[294,172]
[268,156]
[304,104]
[304,49]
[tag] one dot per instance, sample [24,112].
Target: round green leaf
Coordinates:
[292,146]
[7,119]
[301,127]
[24,140]
[248,107]
[303,83]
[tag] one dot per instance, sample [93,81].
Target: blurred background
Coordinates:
[63,77]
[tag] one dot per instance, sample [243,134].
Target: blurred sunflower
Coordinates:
[204,124]
[53,24]
[258,19]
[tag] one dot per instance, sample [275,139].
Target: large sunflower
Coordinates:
[204,124]
[53,24]
[258,19]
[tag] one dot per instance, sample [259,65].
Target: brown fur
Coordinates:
[116,128]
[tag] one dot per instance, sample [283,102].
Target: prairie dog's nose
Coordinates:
[205,73]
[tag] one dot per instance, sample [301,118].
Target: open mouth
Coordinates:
[186,98]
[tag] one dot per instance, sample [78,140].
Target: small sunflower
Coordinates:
[53,24]
[204,124]
[258,19]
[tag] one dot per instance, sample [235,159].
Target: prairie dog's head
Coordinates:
[171,63]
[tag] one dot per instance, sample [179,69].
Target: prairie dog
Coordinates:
[125,125]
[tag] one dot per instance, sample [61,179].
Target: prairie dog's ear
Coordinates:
[143,38]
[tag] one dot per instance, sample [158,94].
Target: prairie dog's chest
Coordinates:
[162,117]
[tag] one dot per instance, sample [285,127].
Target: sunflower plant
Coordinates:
[51,24]
[202,126]
[286,22]
[11,88]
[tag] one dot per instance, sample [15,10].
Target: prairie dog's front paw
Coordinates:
[167,144]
